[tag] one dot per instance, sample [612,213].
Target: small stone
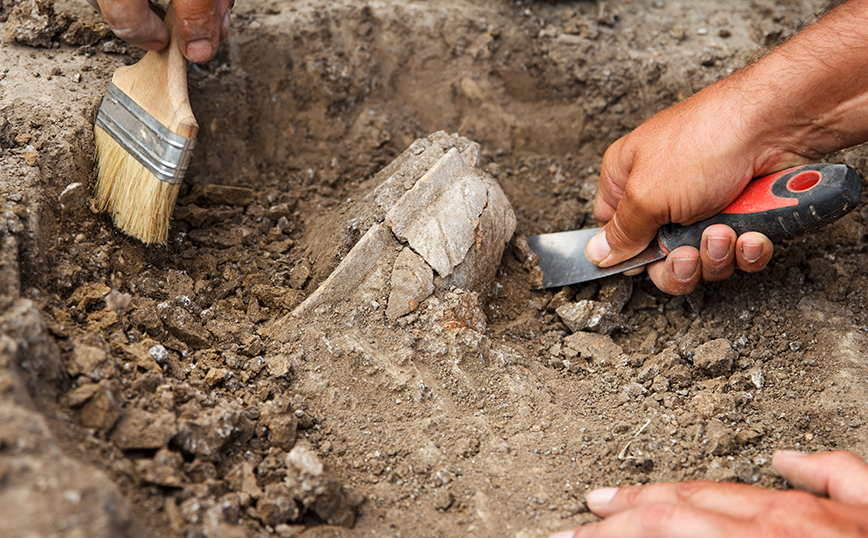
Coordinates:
[299,274]
[721,440]
[716,357]
[592,316]
[212,430]
[710,404]
[616,291]
[30,155]
[92,361]
[102,410]
[216,376]
[756,377]
[183,326]
[277,506]
[117,301]
[142,430]
[278,365]
[443,499]
[598,348]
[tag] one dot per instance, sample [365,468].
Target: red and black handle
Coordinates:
[780,205]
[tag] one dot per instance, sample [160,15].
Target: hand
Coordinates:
[804,100]
[201,24]
[683,165]
[834,504]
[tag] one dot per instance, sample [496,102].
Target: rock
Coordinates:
[721,440]
[212,430]
[32,23]
[282,424]
[277,506]
[317,491]
[88,296]
[217,376]
[710,404]
[278,365]
[91,361]
[616,291]
[117,301]
[141,430]
[102,409]
[164,470]
[412,282]
[749,436]
[716,357]
[597,348]
[242,478]
[85,32]
[443,499]
[183,326]
[299,274]
[46,493]
[443,210]
[590,316]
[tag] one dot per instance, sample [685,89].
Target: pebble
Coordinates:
[715,357]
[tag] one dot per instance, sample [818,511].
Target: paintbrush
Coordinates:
[145,132]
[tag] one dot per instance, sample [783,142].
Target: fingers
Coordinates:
[842,476]
[201,25]
[679,273]
[660,520]
[133,21]
[719,254]
[729,499]
[753,252]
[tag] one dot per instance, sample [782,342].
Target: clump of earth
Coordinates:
[223,386]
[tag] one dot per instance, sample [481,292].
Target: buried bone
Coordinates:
[447,226]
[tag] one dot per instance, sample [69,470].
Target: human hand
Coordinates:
[685,164]
[804,100]
[201,24]
[834,504]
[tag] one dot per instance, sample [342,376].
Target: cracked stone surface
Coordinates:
[447,226]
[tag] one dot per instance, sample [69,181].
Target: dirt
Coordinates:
[169,391]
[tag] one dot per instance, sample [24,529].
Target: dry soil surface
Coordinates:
[152,391]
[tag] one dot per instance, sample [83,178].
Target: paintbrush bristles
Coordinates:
[140,204]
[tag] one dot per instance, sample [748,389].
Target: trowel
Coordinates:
[781,205]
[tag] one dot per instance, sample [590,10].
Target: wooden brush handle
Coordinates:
[158,83]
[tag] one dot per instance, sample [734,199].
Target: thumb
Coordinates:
[199,25]
[841,476]
[627,234]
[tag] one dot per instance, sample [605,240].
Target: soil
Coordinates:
[165,391]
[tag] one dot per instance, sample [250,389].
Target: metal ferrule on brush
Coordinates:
[158,149]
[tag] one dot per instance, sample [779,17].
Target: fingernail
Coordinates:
[598,248]
[200,50]
[718,248]
[684,268]
[600,497]
[227,21]
[752,252]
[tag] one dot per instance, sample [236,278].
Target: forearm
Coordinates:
[810,95]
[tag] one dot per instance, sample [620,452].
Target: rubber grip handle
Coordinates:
[780,205]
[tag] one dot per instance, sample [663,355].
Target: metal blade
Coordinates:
[562,258]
